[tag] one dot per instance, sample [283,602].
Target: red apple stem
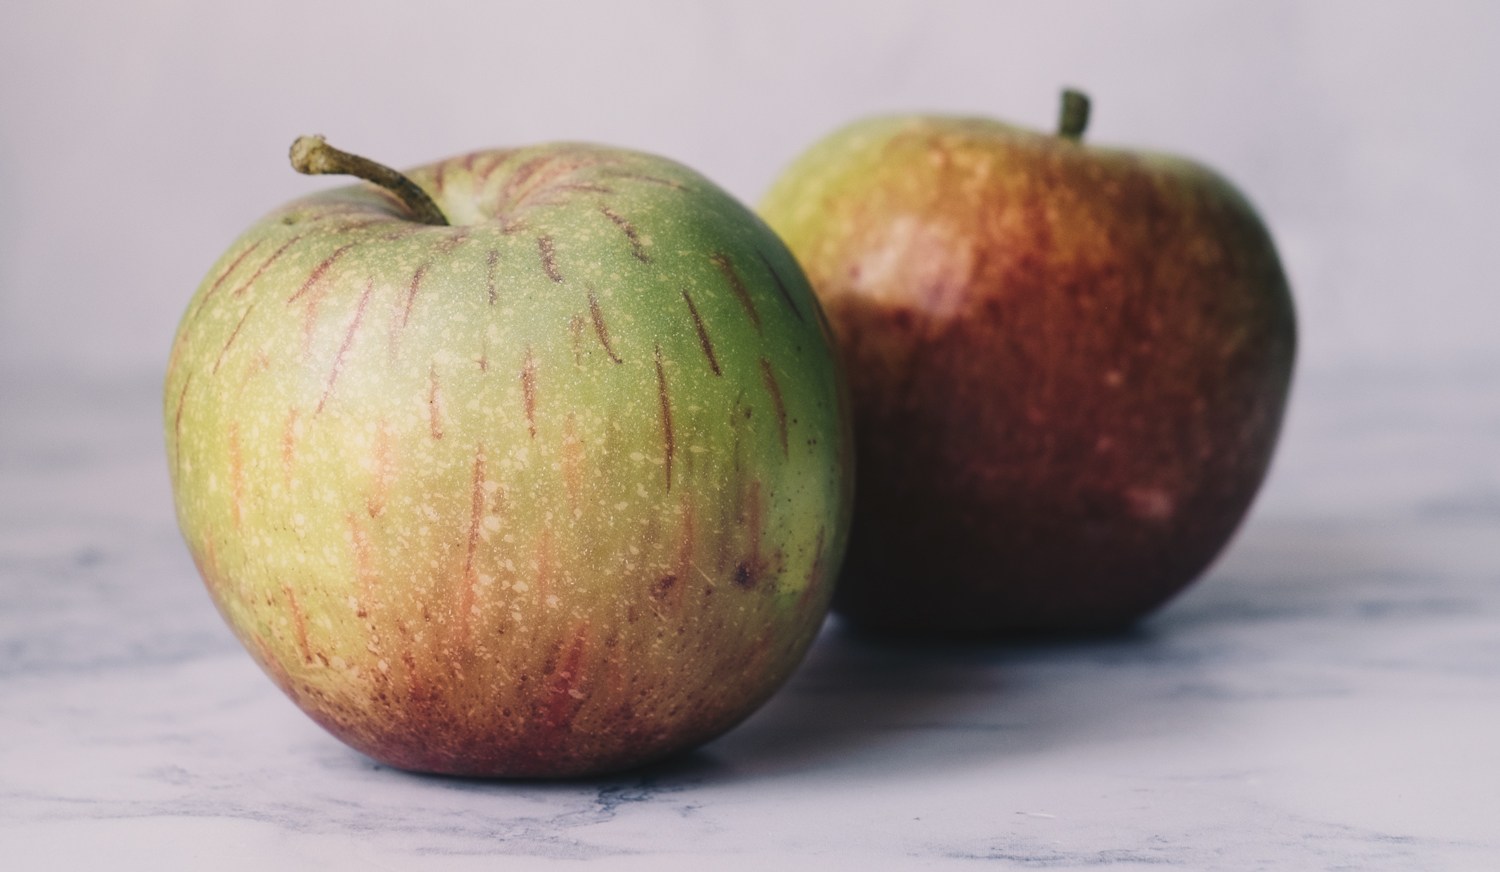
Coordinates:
[1075,115]
[314,156]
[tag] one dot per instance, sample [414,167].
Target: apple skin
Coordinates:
[1069,367]
[557,490]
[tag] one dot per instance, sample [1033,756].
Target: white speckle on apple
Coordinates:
[1150,503]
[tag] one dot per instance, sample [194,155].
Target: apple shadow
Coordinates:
[907,706]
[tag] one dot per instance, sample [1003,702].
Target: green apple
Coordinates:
[1069,366]
[531,462]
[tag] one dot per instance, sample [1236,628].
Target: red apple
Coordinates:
[1069,366]
[530,462]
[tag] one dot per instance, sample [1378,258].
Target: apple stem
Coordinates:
[1075,115]
[313,156]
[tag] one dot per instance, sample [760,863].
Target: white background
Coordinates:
[137,139]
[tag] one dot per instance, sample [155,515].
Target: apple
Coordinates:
[530,462]
[1069,366]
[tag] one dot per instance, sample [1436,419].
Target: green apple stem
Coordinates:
[1075,115]
[314,156]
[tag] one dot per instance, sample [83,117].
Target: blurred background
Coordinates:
[137,139]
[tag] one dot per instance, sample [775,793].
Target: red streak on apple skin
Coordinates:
[459,237]
[233,335]
[229,270]
[514,185]
[411,294]
[265,264]
[575,337]
[364,567]
[786,293]
[778,404]
[748,571]
[669,441]
[310,314]
[384,469]
[600,329]
[338,360]
[736,285]
[299,622]
[482,172]
[289,444]
[319,271]
[733,507]
[177,418]
[818,569]
[434,403]
[528,390]
[418,691]
[536,182]
[564,698]
[704,341]
[209,566]
[633,236]
[549,257]
[492,260]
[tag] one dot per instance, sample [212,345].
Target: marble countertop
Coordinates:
[1327,697]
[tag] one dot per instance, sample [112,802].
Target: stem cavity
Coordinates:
[313,156]
[1074,118]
